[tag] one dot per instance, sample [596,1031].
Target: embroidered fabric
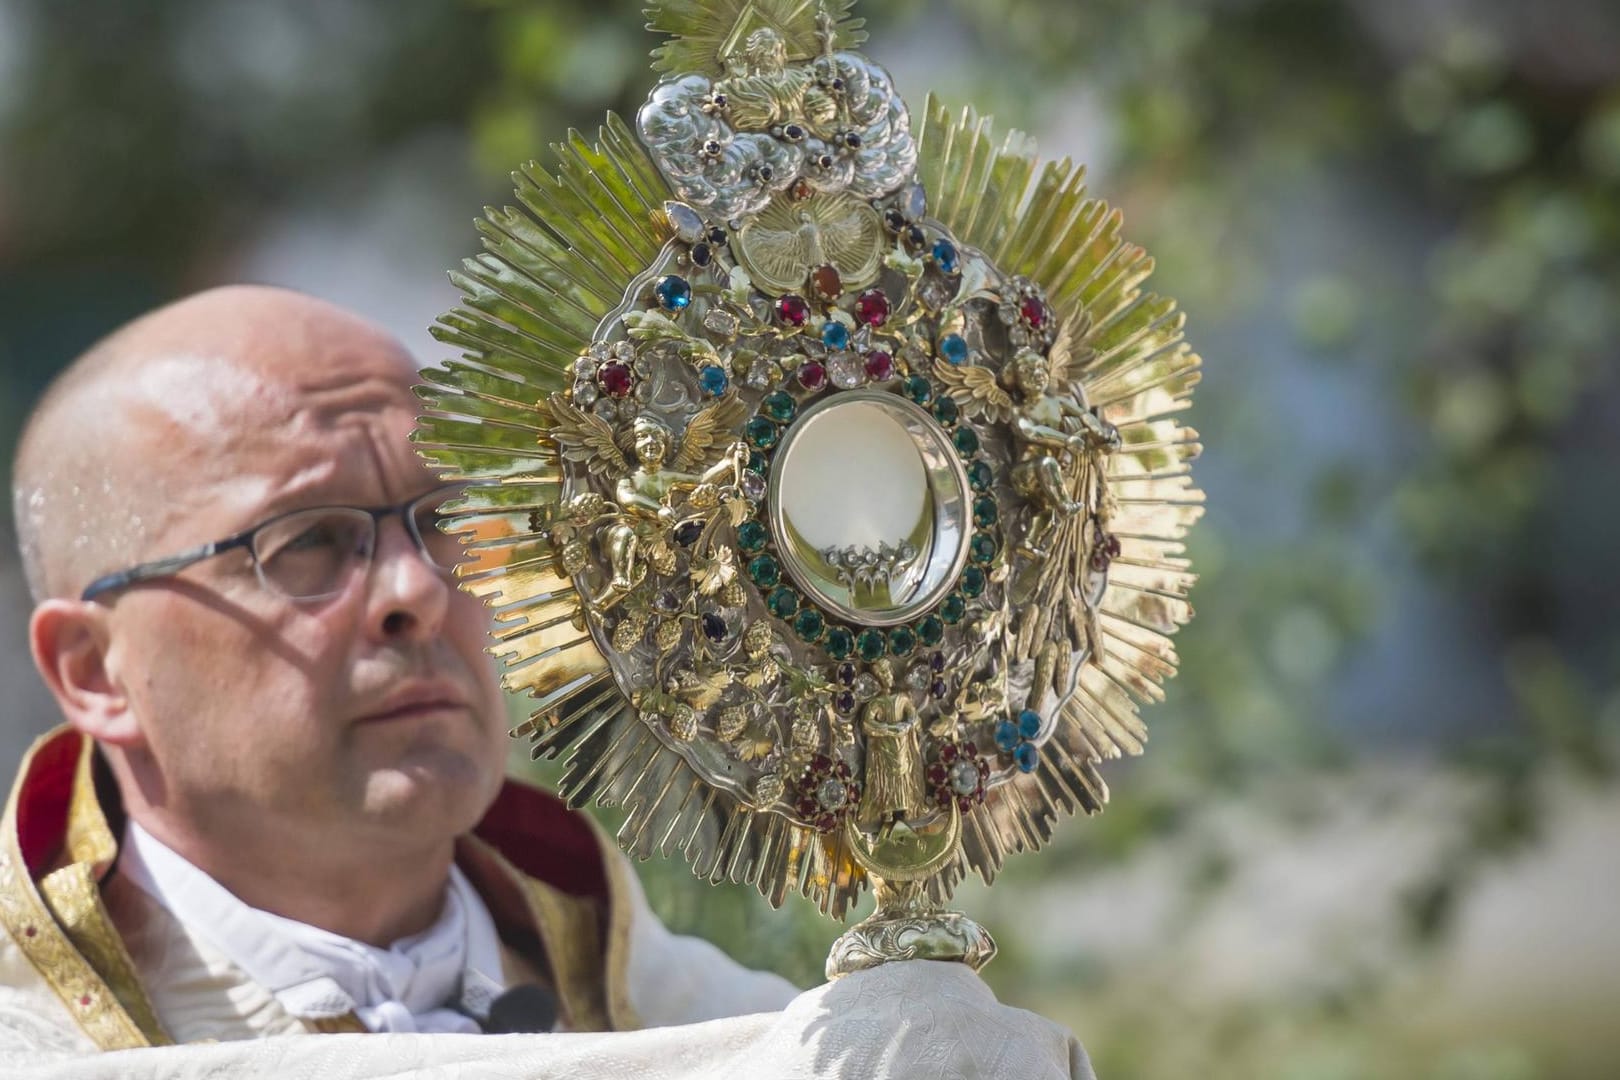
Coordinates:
[916,1018]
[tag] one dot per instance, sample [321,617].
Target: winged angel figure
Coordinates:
[648,492]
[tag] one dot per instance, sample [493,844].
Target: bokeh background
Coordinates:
[1378,831]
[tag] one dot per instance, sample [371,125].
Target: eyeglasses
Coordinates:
[309,554]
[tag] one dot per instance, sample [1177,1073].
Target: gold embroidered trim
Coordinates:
[89,1000]
[347,1024]
[616,961]
[569,930]
[74,899]
[89,839]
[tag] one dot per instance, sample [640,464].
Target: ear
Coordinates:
[71,642]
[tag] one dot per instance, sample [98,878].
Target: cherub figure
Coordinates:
[646,492]
[1047,423]
[894,790]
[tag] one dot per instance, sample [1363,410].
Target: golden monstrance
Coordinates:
[824,475]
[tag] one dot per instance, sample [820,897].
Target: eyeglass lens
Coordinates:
[309,554]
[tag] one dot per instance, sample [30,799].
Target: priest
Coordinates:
[277,805]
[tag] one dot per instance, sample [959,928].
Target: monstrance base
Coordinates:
[934,935]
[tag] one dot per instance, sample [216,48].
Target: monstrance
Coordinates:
[823,475]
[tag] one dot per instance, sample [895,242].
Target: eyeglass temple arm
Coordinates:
[158,567]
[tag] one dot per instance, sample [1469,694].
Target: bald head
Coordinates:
[164,407]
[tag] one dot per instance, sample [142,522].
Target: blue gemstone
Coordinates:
[945,256]
[1007,736]
[713,380]
[954,348]
[674,292]
[1027,757]
[835,335]
[1029,723]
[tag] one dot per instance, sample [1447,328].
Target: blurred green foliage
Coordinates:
[1396,228]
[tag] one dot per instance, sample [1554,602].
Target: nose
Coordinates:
[408,596]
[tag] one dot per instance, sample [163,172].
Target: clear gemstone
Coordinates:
[964,777]
[585,367]
[606,408]
[753,486]
[937,290]
[867,686]
[914,202]
[585,393]
[919,677]
[831,794]
[688,226]
[764,373]
[847,370]
[720,322]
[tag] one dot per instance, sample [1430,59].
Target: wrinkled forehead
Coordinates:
[233,439]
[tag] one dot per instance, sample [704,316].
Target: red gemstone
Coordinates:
[937,775]
[806,806]
[30,931]
[1033,310]
[84,1000]
[793,310]
[812,375]
[879,366]
[828,284]
[801,190]
[842,769]
[615,379]
[825,822]
[947,753]
[964,803]
[872,307]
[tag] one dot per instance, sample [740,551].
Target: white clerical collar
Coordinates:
[429,982]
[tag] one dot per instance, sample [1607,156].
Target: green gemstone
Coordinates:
[980,476]
[809,624]
[839,642]
[982,548]
[758,462]
[780,407]
[973,581]
[902,640]
[783,602]
[764,571]
[871,644]
[966,440]
[985,512]
[761,432]
[751,535]
[945,410]
[930,630]
[918,389]
[953,609]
